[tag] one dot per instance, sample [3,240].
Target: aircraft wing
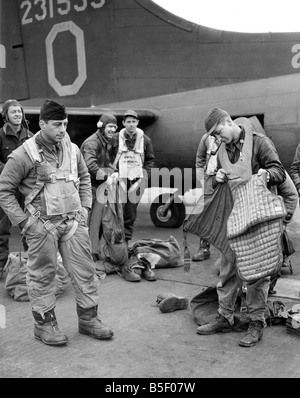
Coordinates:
[146,116]
[83,120]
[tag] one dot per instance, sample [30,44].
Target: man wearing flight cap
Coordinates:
[95,150]
[14,132]
[214,117]
[51,173]
[244,152]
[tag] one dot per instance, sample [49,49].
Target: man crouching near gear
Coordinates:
[51,173]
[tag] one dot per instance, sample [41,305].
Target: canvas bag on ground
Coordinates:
[168,251]
[15,282]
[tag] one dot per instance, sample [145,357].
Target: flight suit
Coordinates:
[56,188]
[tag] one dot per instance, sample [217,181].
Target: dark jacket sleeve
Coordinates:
[295,168]
[12,176]
[201,152]
[201,156]
[149,155]
[2,164]
[85,187]
[114,146]
[265,156]
[289,194]
[93,155]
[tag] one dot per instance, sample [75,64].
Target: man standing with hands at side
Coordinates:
[133,157]
[51,173]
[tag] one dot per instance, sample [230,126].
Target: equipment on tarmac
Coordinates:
[15,282]
[169,302]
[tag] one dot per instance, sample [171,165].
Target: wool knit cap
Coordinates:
[105,119]
[213,118]
[52,110]
[7,104]
[131,113]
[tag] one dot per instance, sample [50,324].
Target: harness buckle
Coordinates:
[36,214]
[53,178]
[49,226]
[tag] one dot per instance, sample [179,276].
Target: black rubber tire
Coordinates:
[175,216]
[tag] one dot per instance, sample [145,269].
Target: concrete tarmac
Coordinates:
[147,343]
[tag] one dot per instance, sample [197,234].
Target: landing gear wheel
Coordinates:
[174,216]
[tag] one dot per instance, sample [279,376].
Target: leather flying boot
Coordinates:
[253,335]
[46,329]
[169,302]
[147,272]
[128,273]
[90,324]
[203,252]
[216,325]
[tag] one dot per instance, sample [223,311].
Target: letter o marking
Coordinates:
[70,89]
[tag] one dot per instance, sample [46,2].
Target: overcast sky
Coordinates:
[239,15]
